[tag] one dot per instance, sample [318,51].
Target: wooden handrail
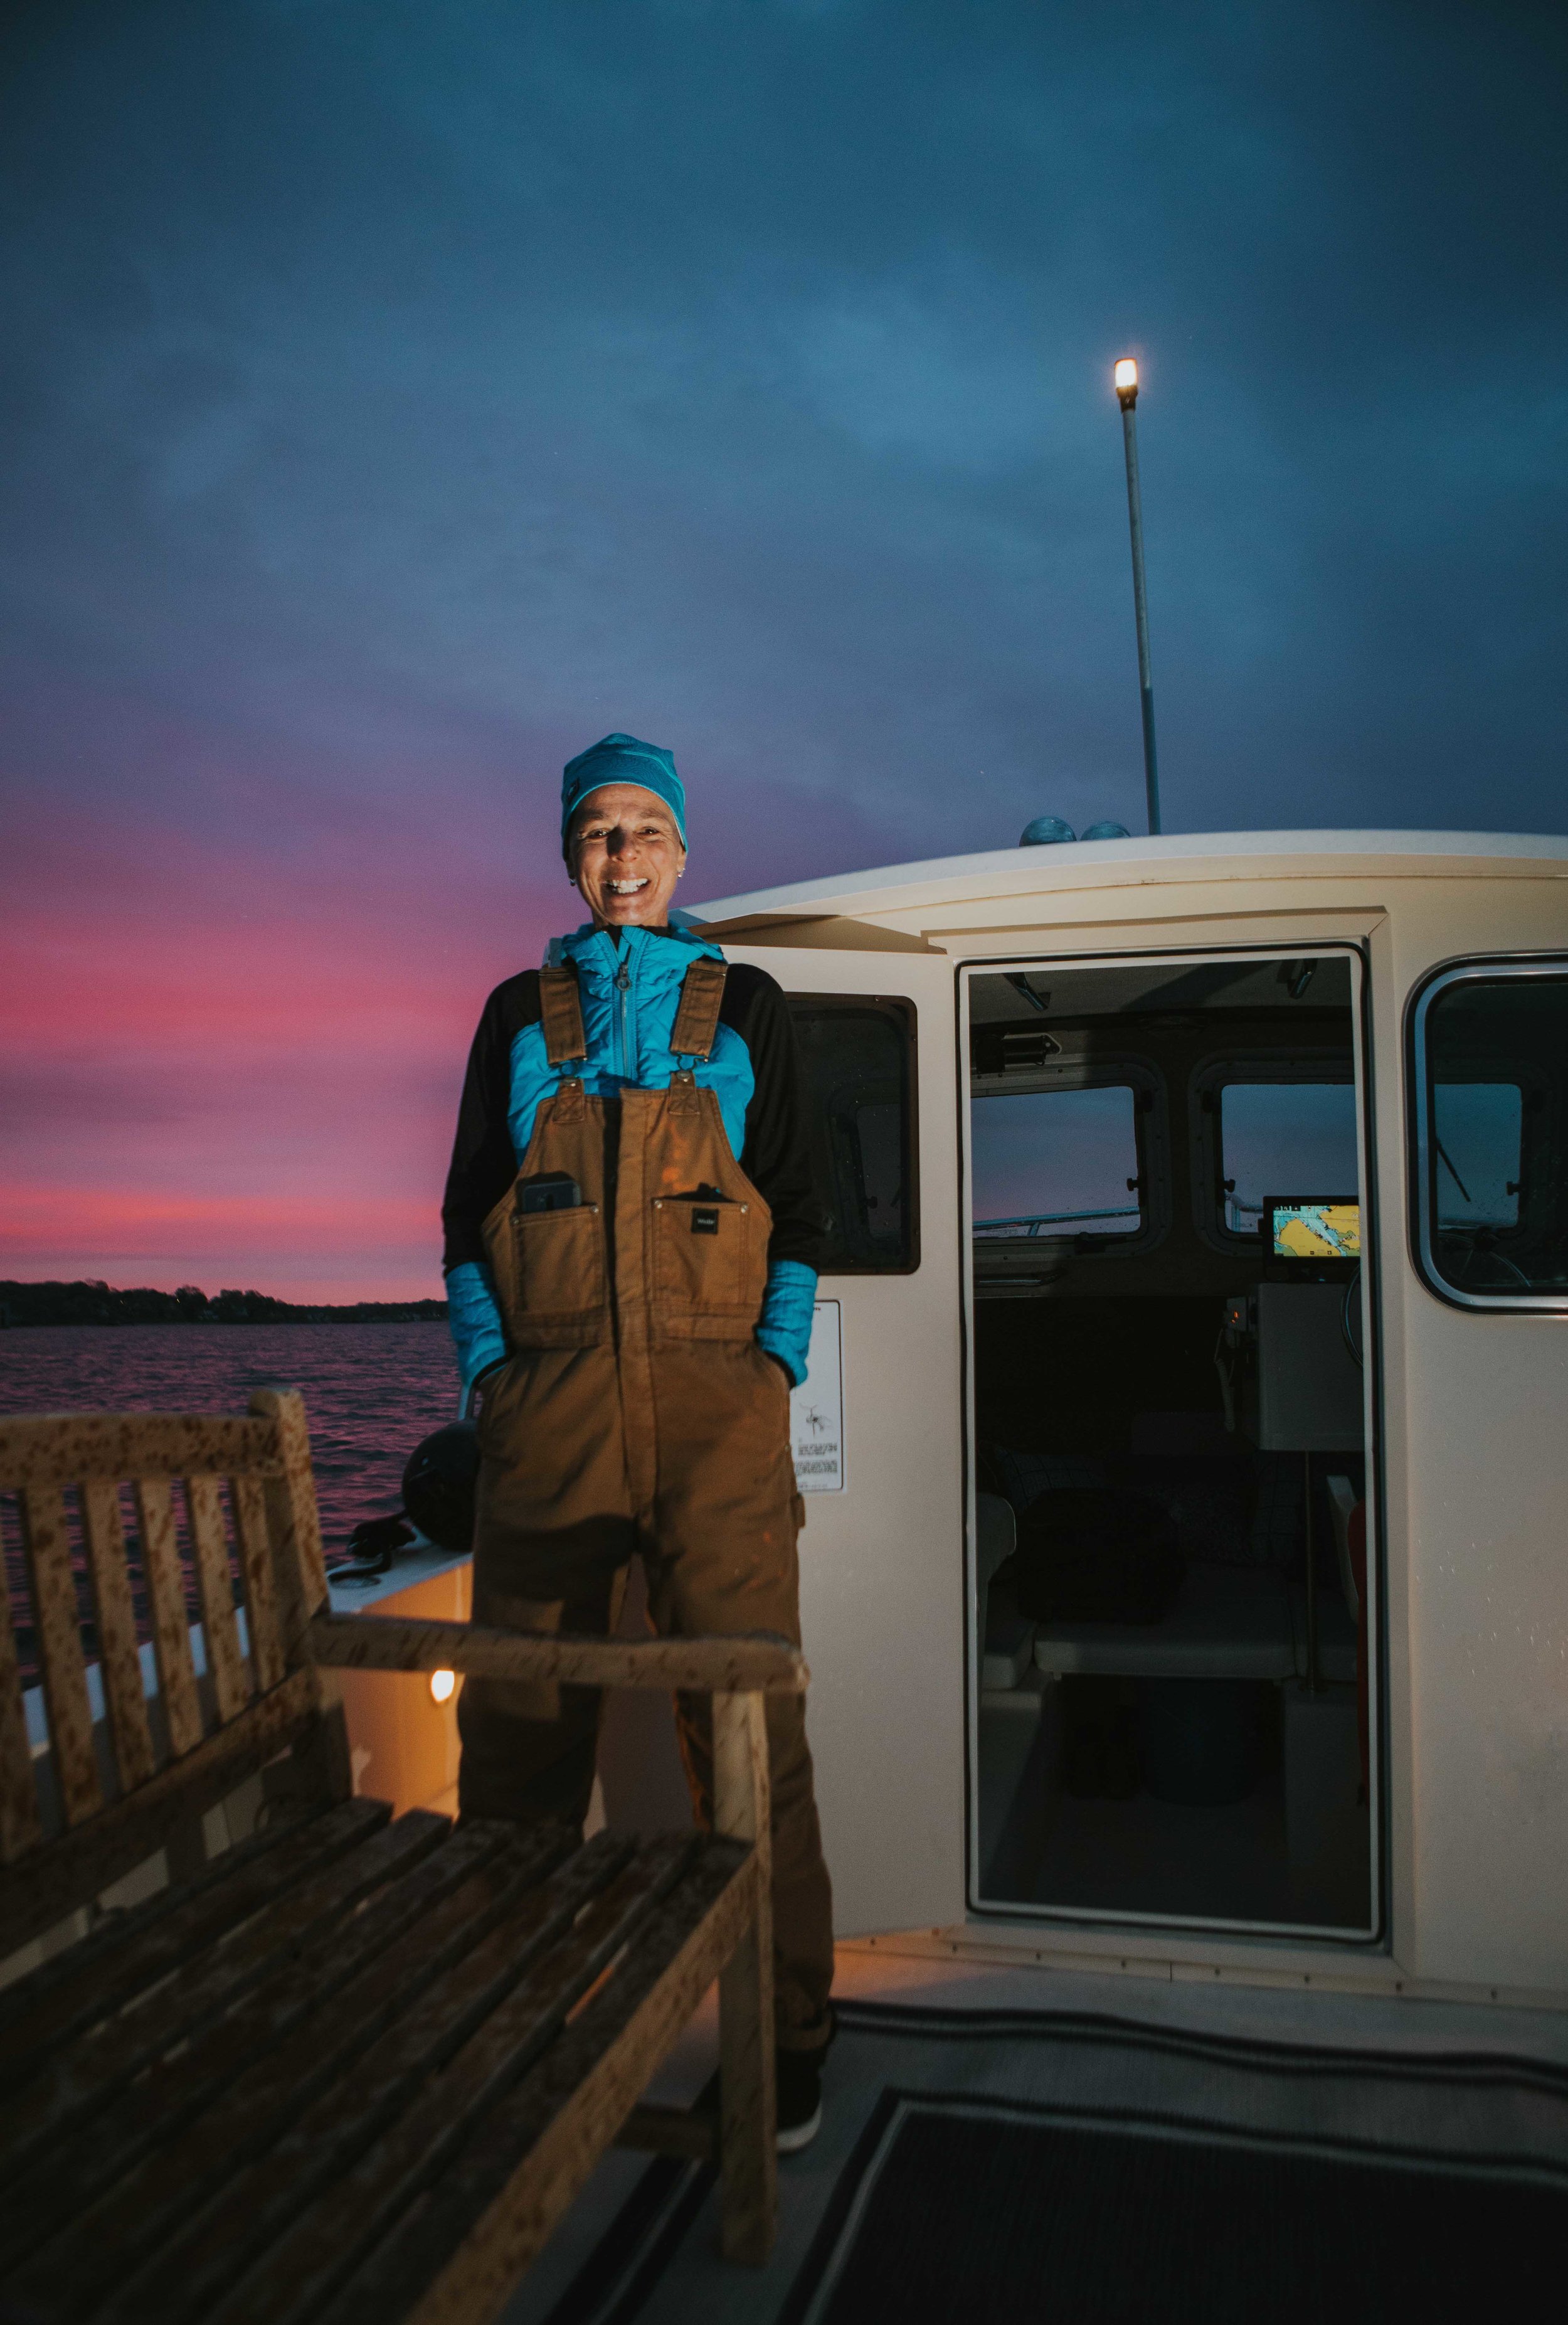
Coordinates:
[736,1666]
[43,1450]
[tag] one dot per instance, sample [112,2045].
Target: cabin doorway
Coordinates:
[1173,1713]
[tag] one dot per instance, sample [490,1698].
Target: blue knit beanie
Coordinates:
[621,759]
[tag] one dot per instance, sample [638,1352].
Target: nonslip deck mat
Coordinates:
[1087,2168]
[955,2207]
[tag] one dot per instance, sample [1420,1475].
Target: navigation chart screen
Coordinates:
[1321,1229]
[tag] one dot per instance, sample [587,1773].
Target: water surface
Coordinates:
[371,1391]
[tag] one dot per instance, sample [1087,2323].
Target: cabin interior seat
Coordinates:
[1228,1622]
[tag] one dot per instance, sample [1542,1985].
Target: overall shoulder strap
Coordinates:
[696,1021]
[561,1010]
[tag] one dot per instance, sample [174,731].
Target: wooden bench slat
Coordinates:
[329,2135]
[41,1451]
[492,2208]
[150,2162]
[171,1622]
[116,1973]
[134,2150]
[57,1626]
[35,1991]
[250,1516]
[404,1643]
[210,1543]
[124,1696]
[292,1512]
[21,1824]
[94,2068]
[305,2260]
[77,1865]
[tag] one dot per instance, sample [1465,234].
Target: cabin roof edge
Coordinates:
[1171,858]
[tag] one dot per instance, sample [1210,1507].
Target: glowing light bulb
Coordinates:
[442,1683]
[1126,377]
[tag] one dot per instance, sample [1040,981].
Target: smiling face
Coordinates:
[625,856]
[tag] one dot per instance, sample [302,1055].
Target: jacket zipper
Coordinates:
[624,986]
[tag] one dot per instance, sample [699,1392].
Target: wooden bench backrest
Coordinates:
[260,1703]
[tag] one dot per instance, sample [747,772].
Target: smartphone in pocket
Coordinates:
[552,1190]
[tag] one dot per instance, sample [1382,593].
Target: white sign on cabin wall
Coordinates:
[816,1409]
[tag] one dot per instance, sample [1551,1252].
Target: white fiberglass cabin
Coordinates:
[1185,1574]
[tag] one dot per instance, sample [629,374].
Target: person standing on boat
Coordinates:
[631,1237]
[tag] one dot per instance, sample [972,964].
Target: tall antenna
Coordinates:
[1126,397]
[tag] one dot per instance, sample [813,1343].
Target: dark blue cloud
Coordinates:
[403,395]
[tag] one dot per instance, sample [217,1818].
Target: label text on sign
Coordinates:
[816,1409]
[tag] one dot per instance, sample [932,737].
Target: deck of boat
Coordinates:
[673,2277]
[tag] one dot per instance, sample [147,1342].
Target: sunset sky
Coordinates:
[397,396]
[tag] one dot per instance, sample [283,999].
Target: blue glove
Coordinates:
[476,1320]
[788,1306]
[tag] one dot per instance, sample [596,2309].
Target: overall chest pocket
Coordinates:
[558,1277]
[710,1266]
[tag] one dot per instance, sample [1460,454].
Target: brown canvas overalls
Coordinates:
[638,1413]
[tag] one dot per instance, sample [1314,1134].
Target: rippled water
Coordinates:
[371,1391]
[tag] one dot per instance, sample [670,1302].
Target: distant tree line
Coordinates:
[97,1304]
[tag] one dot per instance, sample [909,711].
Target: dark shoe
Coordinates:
[799,2086]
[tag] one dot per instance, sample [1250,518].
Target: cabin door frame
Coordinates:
[881,1559]
[1060,960]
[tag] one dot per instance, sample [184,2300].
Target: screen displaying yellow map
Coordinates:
[1317,1230]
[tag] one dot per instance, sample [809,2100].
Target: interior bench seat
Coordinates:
[1228,1622]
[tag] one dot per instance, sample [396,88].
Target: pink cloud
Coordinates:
[224,1064]
[231,1048]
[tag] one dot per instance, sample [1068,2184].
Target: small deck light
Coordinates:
[442,1683]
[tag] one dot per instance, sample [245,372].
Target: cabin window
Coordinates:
[1490,1090]
[1056,1163]
[1477,1136]
[859,1056]
[1283,1138]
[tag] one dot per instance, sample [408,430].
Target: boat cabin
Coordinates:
[1185,1581]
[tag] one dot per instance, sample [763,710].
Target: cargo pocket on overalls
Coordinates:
[558,1272]
[709,1262]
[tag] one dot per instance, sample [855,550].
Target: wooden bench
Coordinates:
[356,2067]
